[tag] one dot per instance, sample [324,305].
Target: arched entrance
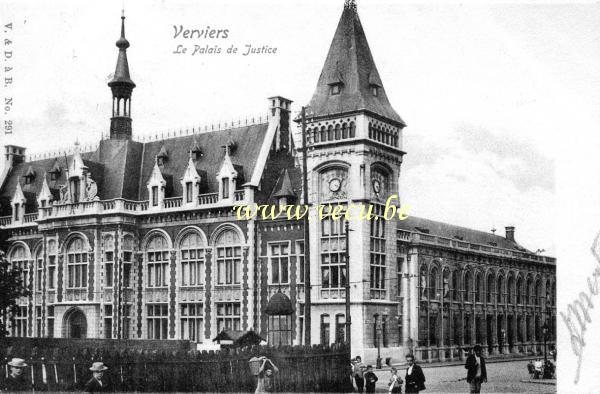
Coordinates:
[75,324]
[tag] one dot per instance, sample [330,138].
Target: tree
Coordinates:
[11,288]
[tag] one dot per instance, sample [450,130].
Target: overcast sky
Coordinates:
[489,92]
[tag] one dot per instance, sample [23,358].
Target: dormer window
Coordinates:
[336,89]
[375,90]
[189,192]
[225,187]
[29,176]
[54,176]
[154,196]
[16,211]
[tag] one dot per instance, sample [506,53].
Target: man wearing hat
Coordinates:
[16,379]
[476,371]
[96,383]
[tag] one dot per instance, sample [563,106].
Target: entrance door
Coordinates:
[76,324]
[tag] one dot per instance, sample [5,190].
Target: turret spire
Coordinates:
[121,86]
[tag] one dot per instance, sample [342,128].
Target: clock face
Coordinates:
[335,184]
[379,184]
[376,186]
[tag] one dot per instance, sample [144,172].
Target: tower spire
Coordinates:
[121,86]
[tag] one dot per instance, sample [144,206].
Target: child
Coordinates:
[370,379]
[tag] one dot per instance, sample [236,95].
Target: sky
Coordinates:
[488,91]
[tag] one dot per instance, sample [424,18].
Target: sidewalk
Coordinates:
[492,360]
[540,381]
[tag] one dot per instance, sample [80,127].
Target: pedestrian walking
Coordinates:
[97,383]
[476,372]
[16,381]
[395,385]
[415,379]
[358,371]
[370,379]
[266,377]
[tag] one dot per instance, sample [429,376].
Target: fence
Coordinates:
[301,369]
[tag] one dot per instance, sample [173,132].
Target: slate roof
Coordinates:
[350,62]
[122,168]
[464,234]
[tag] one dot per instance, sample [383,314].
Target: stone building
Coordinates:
[142,240]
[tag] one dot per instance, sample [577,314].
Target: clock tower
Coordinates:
[354,151]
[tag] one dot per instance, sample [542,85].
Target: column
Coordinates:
[172,292]
[138,284]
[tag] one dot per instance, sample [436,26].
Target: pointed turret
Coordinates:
[349,81]
[121,86]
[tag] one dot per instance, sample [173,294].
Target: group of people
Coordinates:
[414,378]
[365,378]
[541,369]
[16,381]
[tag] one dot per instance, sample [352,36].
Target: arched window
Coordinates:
[433,284]
[490,289]
[344,130]
[538,292]
[338,132]
[371,130]
[455,286]
[520,290]
[511,290]
[467,286]
[157,261]
[330,133]
[323,134]
[77,264]
[478,288]
[127,260]
[18,261]
[500,290]
[52,257]
[109,258]
[315,134]
[192,259]
[229,257]
[352,130]
[39,269]
[529,289]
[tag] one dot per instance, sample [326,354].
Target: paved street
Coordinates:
[504,377]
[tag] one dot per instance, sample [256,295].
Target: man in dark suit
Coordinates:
[476,372]
[97,382]
[415,379]
[16,380]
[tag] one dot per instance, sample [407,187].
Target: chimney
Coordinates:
[14,155]
[510,233]
[281,106]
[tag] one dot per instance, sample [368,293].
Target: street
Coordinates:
[502,377]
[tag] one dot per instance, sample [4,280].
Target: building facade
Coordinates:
[144,240]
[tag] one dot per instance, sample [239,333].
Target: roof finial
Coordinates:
[350,4]
[122,43]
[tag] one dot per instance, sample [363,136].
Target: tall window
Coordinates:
[279,262]
[529,294]
[108,321]
[157,262]
[157,321]
[225,187]
[18,261]
[399,273]
[189,192]
[325,330]
[50,322]
[154,196]
[192,321]
[229,316]
[126,321]
[340,328]
[39,269]
[455,286]
[192,260]
[300,260]
[300,336]
[490,289]
[377,254]
[333,254]
[520,290]
[229,257]
[52,252]
[127,260]
[19,328]
[433,284]
[77,264]
[109,255]
[467,286]
[423,281]
[499,290]
[38,321]
[478,288]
